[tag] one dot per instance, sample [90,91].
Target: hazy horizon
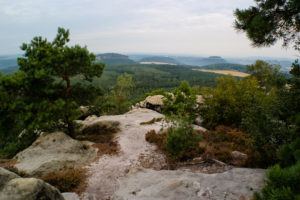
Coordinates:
[188,27]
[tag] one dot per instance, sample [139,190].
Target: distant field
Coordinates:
[225,72]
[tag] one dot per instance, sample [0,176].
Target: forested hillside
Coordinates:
[151,77]
[113,59]
[159,59]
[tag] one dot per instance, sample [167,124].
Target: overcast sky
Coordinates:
[196,27]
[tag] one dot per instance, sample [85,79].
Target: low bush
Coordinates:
[289,154]
[157,138]
[282,183]
[10,149]
[181,139]
[223,140]
[66,181]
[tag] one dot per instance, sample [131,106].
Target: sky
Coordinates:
[189,27]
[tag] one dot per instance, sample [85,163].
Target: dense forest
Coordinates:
[151,77]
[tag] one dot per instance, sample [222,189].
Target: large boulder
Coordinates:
[13,187]
[156,102]
[146,184]
[199,99]
[153,102]
[238,158]
[54,152]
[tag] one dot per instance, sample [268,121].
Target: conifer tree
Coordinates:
[48,67]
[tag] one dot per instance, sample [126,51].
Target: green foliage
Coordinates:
[13,109]
[265,128]
[225,104]
[41,96]
[181,138]
[289,154]
[151,77]
[156,92]
[267,75]
[281,184]
[292,97]
[269,21]
[120,93]
[182,102]
[49,100]
[264,24]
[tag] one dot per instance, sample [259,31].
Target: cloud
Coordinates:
[170,26]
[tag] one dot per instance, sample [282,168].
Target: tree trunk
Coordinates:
[67,79]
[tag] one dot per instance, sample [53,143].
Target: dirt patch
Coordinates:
[71,180]
[7,162]
[105,143]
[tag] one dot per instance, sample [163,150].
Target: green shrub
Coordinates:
[181,138]
[224,105]
[289,154]
[282,184]
[10,148]
[182,102]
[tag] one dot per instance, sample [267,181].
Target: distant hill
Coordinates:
[7,61]
[9,70]
[159,59]
[200,61]
[225,66]
[114,59]
[285,63]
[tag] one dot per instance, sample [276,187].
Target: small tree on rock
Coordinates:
[48,68]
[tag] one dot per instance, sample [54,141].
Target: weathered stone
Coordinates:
[70,196]
[13,187]
[54,152]
[153,102]
[146,184]
[200,99]
[85,112]
[238,158]
[6,176]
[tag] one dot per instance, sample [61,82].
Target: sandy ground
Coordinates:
[226,72]
[135,151]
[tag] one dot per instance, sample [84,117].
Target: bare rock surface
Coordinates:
[70,196]
[13,187]
[135,151]
[147,184]
[54,152]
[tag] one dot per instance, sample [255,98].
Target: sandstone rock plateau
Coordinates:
[54,152]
